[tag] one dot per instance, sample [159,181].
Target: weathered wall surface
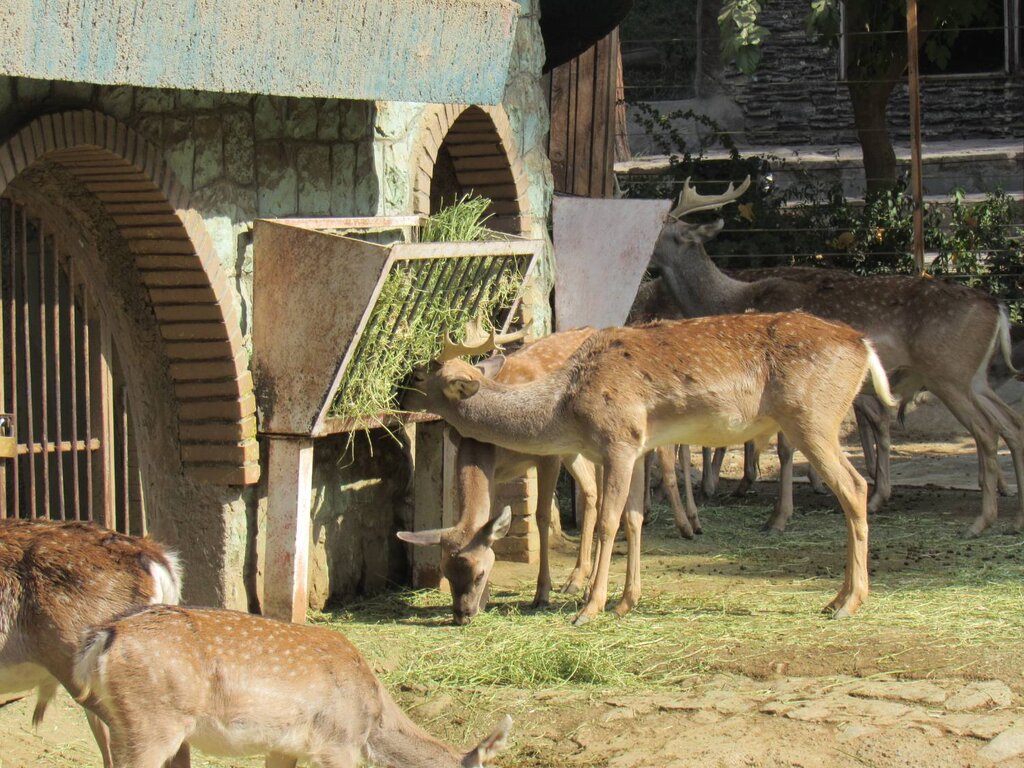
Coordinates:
[243,157]
[421,50]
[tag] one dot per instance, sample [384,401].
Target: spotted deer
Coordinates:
[467,554]
[231,683]
[57,579]
[928,332]
[711,381]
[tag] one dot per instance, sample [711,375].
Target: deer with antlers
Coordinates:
[910,320]
[712,381]
[467,556]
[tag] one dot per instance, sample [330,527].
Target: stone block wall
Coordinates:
[242,157]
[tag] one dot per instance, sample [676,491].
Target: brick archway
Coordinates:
[187,287]
[483,154]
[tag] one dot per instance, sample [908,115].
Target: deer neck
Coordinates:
[523,418]
[397,742]
[700,288]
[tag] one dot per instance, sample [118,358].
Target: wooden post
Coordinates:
[289,495]
[435,496]
[917,186]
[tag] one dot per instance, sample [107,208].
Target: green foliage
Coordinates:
[462,221]
[741,35]
[811,223]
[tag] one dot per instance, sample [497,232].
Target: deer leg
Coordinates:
[547,477]
[709,472]
[972,415]
[102,736]
[750,467]
[867,437]
[667,457]
[618,472]
[683,457]
[339,757]
[148,749]
[784,503]
[634,530]
[882,491]
[585,475]
[1011,428]
[823,451]
[815,479]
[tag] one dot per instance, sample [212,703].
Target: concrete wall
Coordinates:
[245,156]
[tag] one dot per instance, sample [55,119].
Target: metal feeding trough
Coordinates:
[333,300]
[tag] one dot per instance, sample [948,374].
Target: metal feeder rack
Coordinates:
[308,354]
[316,284]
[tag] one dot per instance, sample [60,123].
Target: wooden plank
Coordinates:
[584,122]
[289,497]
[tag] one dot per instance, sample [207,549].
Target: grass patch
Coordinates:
[734,601]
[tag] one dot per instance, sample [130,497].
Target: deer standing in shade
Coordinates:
[467,556]
[711,381]
[912,321]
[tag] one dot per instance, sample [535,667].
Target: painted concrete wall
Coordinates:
[248,156]
[402,50]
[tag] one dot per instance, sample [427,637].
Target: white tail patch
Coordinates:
[88,659]
[166,580]
[1005,342]
[878,378]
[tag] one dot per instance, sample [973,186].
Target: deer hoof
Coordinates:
[540,602]
[842,613]
[771,530]
[571,588]
[581,619]
[698,530]
[685,532]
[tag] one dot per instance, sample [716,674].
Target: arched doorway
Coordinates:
[471,149]
[50,320]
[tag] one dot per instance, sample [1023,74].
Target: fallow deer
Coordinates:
[235,684]
[911,320]
[711,381]
[57,579]
[467,556]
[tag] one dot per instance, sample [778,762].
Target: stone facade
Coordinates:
[242,157]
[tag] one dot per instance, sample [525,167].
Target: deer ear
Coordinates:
[498,527]
[491,366]
[488,749]
[423,538]
[460,387]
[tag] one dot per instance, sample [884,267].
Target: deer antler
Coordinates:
[691,202]
[477,342]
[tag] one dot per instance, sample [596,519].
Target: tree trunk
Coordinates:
[870,101]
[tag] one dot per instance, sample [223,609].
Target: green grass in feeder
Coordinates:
[418,302]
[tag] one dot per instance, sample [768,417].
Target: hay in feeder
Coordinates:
[420,301]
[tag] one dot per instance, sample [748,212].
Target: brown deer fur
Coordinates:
[912,321]
[711,381]
[236,684]
[467,556]
[57,579]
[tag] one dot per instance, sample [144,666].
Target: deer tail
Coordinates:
[1005,342]
[89,659]
[878,378]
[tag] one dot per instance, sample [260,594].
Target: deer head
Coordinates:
[466,561]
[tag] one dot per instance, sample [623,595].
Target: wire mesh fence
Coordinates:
[796,127]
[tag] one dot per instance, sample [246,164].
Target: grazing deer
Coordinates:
[467,555]
[235,684]
[912,321]
[57,579]
[711,381]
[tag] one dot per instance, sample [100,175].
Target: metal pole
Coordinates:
[915,134]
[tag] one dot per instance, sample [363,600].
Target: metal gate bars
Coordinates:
[62,396]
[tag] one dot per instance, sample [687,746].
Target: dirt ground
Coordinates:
[726,662]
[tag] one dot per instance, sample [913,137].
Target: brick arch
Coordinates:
[187,286]
[485,158]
